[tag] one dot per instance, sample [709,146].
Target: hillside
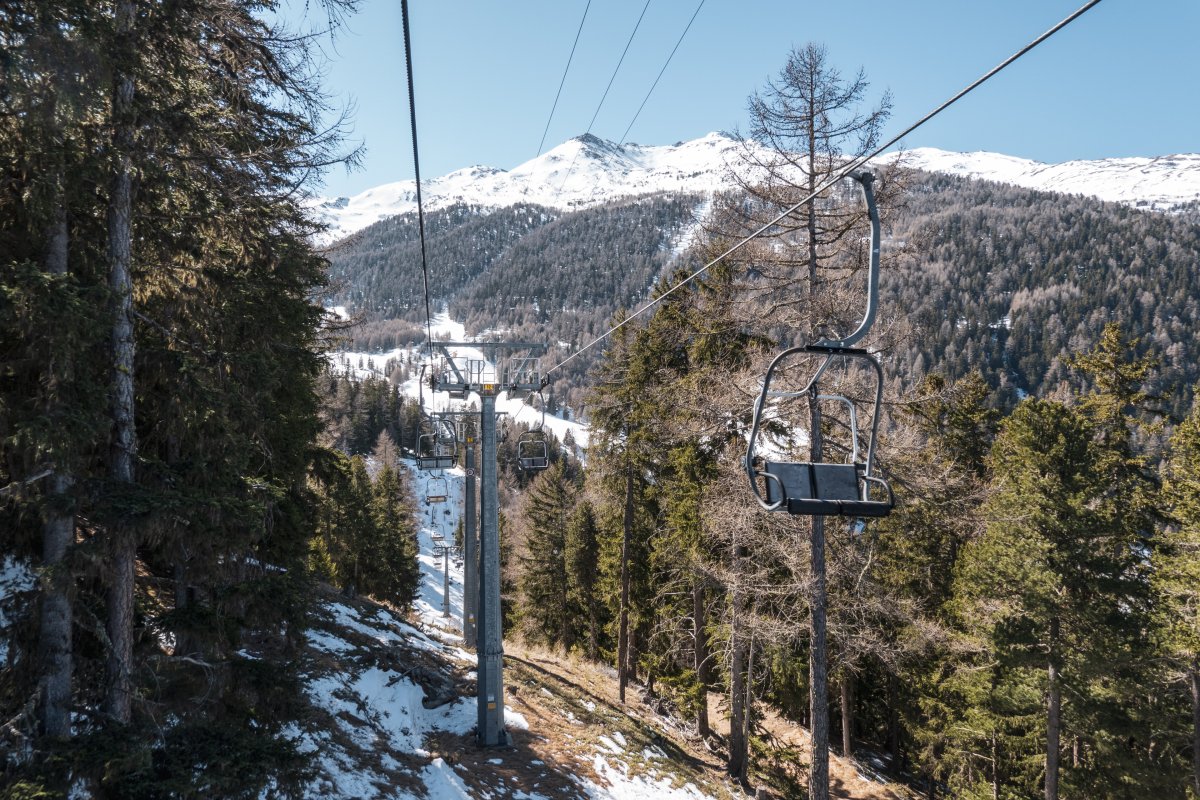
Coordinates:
[986,276]
[391,706]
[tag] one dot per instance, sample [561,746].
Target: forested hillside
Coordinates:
[995,278]
[1010,282]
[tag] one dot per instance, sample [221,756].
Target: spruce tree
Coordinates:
[1177,577]
[547,613]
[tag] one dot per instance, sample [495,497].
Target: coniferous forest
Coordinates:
[185,469]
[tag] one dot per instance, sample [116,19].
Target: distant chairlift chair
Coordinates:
[437,450]
[533,451]
[817,488]
[436,490]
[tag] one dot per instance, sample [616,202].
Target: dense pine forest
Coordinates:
[183,468]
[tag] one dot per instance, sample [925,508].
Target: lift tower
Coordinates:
[463,376]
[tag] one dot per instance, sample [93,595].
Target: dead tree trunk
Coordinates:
[847,698]
[818,698]
[737,765]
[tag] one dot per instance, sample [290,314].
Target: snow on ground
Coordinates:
[362,365]
[381,724]
[16,578]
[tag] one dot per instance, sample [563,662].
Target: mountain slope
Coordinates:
[588,171]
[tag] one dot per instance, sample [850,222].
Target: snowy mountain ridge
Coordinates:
[588,171]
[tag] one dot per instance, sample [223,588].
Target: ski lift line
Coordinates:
[570,58]
[412,112]
[839,175]
[603,97]
[660,72]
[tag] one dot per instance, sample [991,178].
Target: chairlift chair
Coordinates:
[533,451]
[433,452]
[816,488]
[436,490]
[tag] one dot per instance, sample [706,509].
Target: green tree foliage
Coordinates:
[1177,584]
[547,613]
[366,533]
[220,131]
[582,554]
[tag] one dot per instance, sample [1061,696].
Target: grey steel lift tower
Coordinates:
[461,377]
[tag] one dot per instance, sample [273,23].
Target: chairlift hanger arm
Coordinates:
[865,180]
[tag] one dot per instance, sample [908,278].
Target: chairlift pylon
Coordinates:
[817,488]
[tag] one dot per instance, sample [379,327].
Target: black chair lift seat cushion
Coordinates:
[821,489]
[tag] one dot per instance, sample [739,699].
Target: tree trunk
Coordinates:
[736,765]
[995,768]
[847,698]
[623,629]
[894,726]
[119,664]
[54,643]
[818,697]
[1053,710]
[700,653]
[1194,676]
[58,533]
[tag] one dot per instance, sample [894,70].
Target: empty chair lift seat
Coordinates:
[822,489]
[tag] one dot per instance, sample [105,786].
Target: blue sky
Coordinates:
[1120,81]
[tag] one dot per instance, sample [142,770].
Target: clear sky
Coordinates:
[1123,80]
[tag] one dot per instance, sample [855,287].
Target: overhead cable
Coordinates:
[660,72]
[832,180]
[570,58]
[603,97]
[412,108]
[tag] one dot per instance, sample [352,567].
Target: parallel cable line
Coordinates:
[661,71]
[412,107]
[567,69]
[603,97]
[839,175]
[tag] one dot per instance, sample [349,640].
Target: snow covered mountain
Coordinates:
[1162,184]
[580,173]
[588,171]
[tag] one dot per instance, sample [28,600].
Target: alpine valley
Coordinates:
[999,263]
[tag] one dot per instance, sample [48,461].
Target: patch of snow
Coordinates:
[442,784]
[620,785]
[16,577]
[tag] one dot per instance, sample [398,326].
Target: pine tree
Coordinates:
[582,554]
[1056,586]
[547,613]
[1177,577]
[391,570]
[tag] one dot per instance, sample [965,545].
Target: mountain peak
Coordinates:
[608,171]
